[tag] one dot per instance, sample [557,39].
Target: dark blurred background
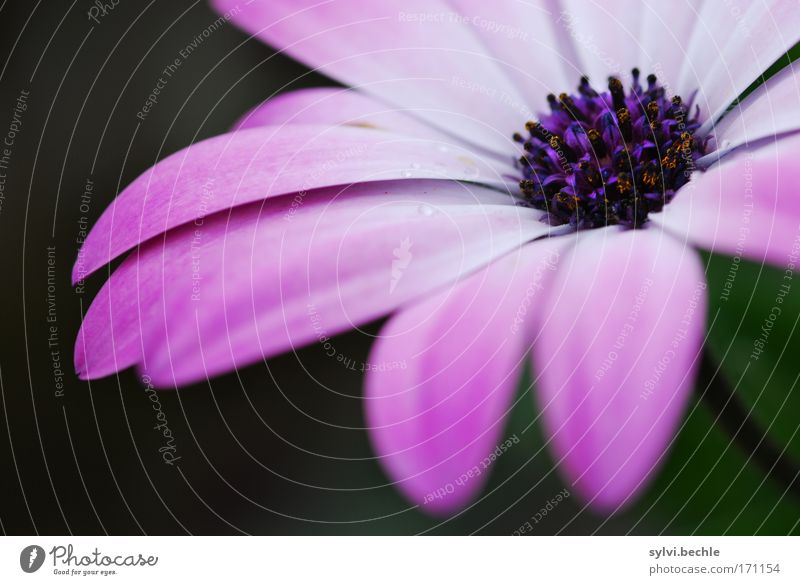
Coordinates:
[266,450]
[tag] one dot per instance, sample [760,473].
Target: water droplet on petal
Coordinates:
[405,174]
[425,209]
[472,172]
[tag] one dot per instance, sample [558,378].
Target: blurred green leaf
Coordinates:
[708,485]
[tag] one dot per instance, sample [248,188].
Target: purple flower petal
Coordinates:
[522,38]
[442,376]
[604,36]
[416,54]
[665,31]
[771,110]
[616,358]
[251,165]
[274,275]
[733,43]
[333,106]
[747,206]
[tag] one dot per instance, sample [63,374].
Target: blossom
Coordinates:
[461,188]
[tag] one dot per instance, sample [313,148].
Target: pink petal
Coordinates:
[733,43]
[771,110]
[443,374]
[605,36]
[616,358]
[665,31]
[522,38]
[414,54]
[271,276]
[333,106]
[251,165]
[747,206]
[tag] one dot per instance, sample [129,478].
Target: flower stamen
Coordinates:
[608,158]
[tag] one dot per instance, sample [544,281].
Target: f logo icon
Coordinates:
[31,558]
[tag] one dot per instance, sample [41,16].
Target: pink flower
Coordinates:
[422,194]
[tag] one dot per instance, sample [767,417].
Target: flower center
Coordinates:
[608,158]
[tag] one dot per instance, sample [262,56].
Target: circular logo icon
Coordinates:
[31,558]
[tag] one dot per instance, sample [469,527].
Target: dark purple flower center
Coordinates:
[609,158]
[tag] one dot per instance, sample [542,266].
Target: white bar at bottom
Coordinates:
[406,560]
